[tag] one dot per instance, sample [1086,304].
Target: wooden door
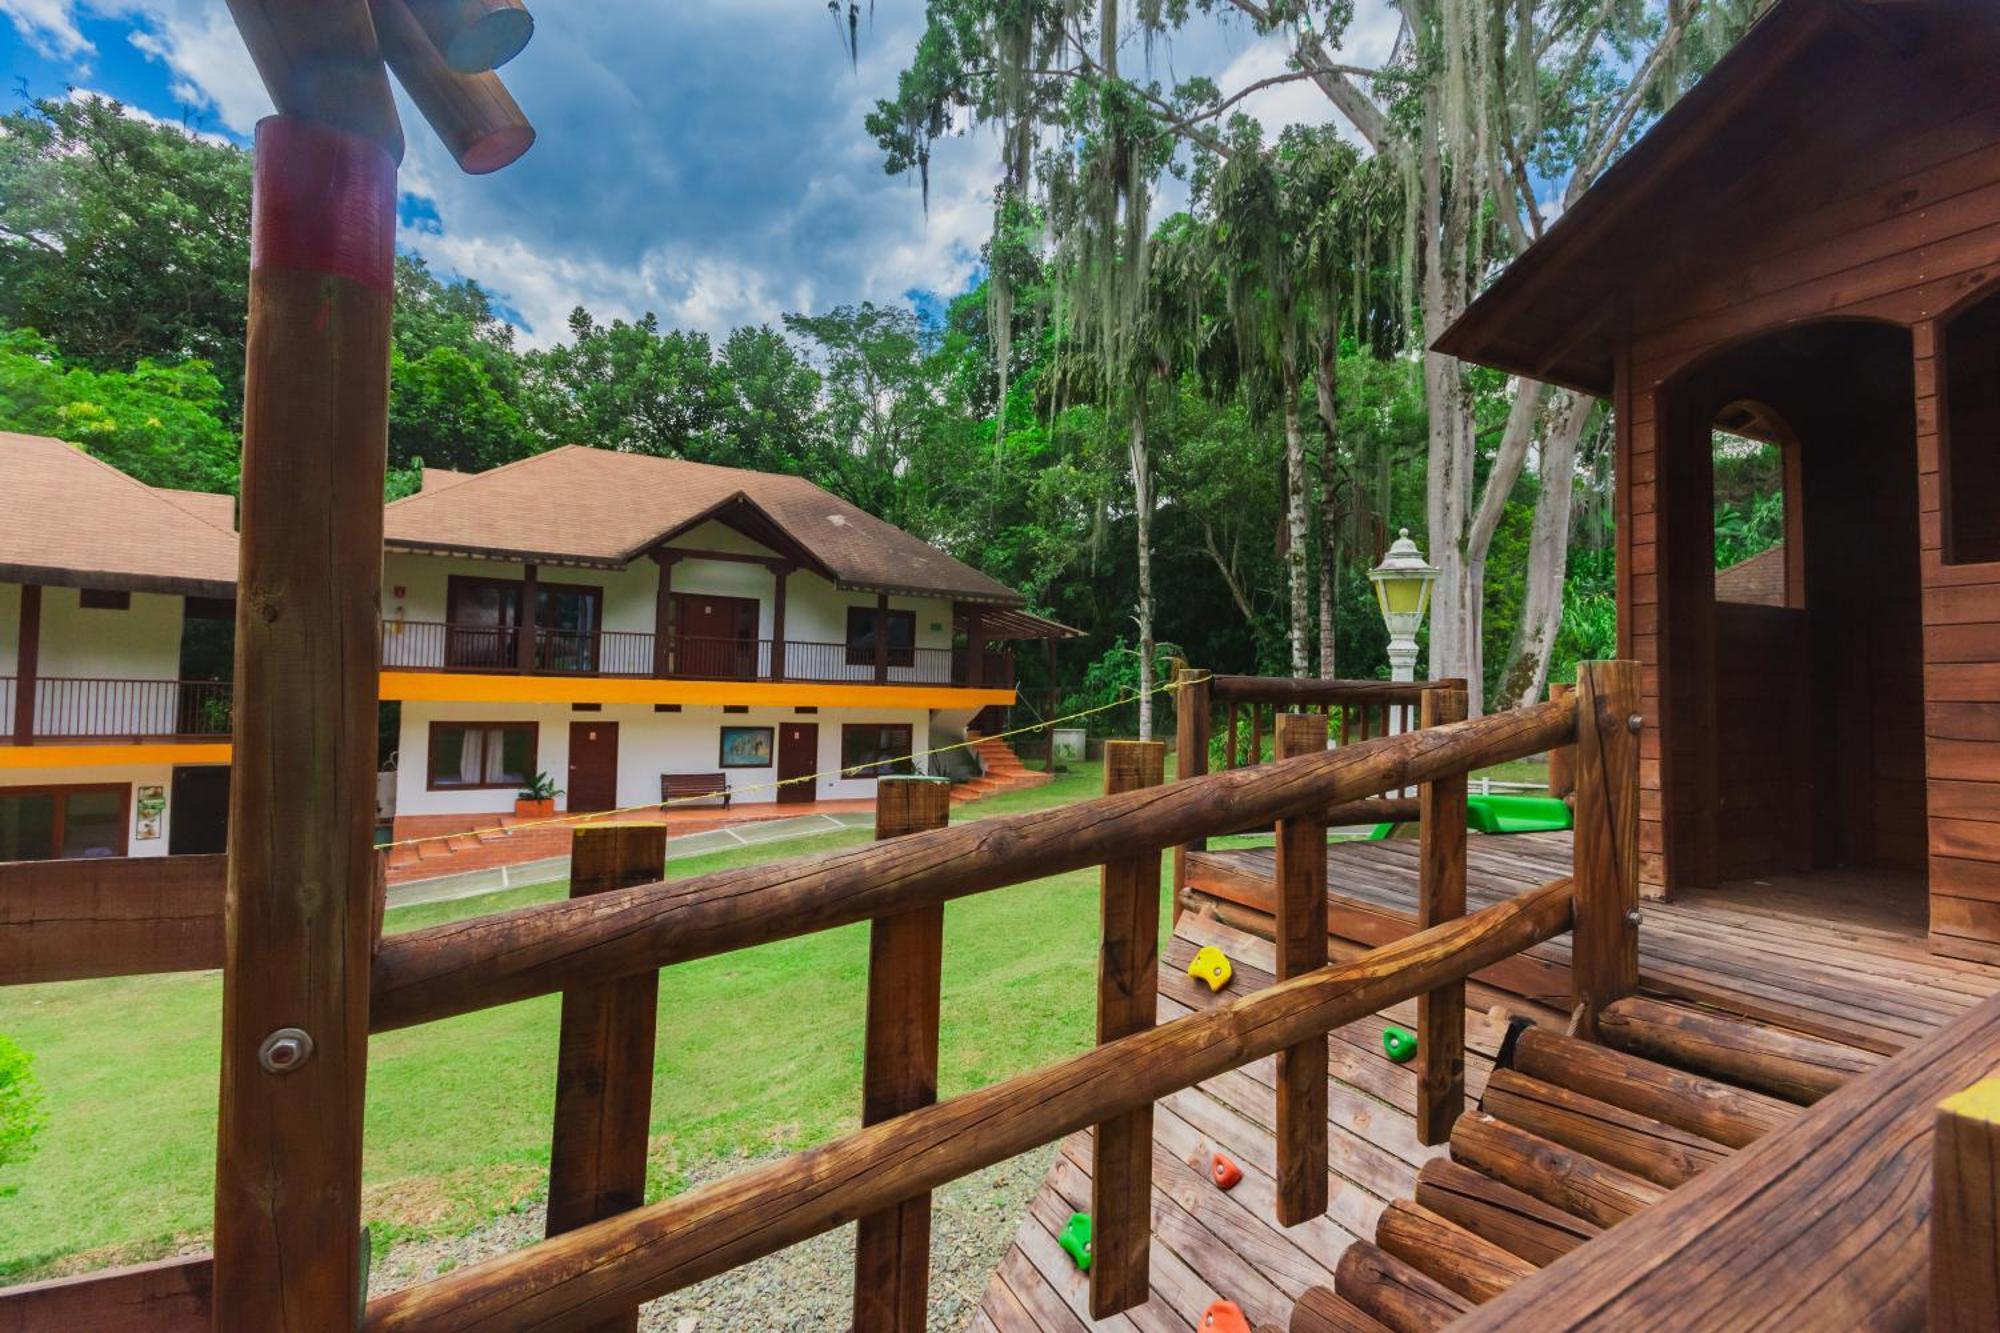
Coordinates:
[198,810]
[593,766]
[717,636]
[798,757]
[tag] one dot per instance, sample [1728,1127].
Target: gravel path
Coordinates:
[806,1288]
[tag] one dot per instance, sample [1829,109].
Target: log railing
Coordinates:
[622,924]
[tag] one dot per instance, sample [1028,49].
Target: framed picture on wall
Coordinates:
[747,747]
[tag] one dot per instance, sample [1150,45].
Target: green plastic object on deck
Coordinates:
[1076,1239]
[1399,1044]
[1500,814]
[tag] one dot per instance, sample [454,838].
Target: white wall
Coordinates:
[649,744]
[142,642]
[129,776]
[815,610]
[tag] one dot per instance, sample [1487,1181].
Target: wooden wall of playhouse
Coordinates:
[1790,738]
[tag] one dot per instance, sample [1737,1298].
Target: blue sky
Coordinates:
[702,159]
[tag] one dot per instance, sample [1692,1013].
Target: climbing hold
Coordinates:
[1399,1043]
[1224,1317]
[1212,966]
[1224,1172]
[1076,1239]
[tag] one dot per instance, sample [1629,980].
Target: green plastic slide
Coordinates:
[1499,814]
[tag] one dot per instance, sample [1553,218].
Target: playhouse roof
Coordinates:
[1789,120]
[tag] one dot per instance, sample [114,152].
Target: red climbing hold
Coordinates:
[1224,1317]
[1224,1172]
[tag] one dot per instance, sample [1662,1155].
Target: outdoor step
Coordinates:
[1573,1181]
[1469,1264]
[1519,1223]
[1321,1311]
[1648,1148]
[1729,1115]
[1784,1064]
[1391,1291]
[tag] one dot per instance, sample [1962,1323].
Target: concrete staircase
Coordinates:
[1003,771]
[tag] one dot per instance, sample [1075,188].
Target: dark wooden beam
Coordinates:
[781,576]
[881,637]
[1605,957]
[321,62]
[475,36]
[663,614]
[302,868]
[525,630]
[65,920]
[27,663]
[1441,898]
[166,1296]
[473,113]
[1302,948]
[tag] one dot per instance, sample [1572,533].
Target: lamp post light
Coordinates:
[1403,590]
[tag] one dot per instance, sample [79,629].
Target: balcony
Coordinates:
[434,646]
[101,709]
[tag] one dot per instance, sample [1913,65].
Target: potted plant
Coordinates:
[538,799]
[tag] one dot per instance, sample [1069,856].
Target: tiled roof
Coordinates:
[594,506]
[74,521]
[1759,581]
[218,511]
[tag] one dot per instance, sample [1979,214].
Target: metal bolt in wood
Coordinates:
[285,1050]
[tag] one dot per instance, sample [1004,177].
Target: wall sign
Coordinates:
[147,812]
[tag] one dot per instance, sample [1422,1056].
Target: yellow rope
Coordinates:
[575,821]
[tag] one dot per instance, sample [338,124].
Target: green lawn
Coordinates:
[758,1049]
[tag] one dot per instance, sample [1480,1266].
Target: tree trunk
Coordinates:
[1298,553]
[1142,502]
[1527,669]
[1326,394]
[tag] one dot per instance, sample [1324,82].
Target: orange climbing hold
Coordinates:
[1224,1172]
[1224,1317]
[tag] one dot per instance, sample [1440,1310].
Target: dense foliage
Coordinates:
[123,249]
[21,1114]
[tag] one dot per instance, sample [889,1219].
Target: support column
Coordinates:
[881,638]
[975,646]
[298,924]
[1301,929]
[27,663]
[780,576]
[1604,954]
[663,615]
[525,631]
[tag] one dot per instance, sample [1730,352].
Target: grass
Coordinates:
[758,1050]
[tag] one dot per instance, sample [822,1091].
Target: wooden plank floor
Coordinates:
[1777,951]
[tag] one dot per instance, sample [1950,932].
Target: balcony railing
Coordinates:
[78,708]
[434,646]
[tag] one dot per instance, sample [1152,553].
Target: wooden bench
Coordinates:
[693,786]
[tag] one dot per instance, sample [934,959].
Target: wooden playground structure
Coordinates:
[1726,1113]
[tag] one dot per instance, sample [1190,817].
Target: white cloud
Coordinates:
[49,26]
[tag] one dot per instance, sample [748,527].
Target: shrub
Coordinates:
[21,1114]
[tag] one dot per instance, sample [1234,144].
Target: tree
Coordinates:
[159,423]
[627,386]
[124,239]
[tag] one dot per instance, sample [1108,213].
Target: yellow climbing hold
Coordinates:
[1212,966]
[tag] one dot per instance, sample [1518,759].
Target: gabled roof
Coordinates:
[218,511]
[72,521]
[577,505]
[1773,127]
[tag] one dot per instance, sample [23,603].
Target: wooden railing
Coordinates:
[415,645]
[602,949]
[94,708]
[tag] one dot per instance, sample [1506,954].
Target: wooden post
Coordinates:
[1055,703]
[1965,1211]
[975,646]
[27,663]
[1441,898]
[781,574]
[663,615]
[1562,759]
[604,1056]
[1302,948]
[302,805]
[1605,955]
[881,637]
[892,1248]
[526,631]
[1128,978]
[1193,694]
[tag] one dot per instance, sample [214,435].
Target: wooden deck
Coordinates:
[1842,957]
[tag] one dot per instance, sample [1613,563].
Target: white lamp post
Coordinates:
[1403,590]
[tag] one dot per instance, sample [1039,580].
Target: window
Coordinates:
[61,823]
[485,616]
[481,754]
[1969,444]
[104,599]
[902,627]
[1759,543]
[875,750]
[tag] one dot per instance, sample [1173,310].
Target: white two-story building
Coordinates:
[626,625]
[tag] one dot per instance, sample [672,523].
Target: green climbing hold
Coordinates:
[1398,1043]
[1076,1239]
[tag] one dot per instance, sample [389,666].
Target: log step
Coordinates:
[1517,1222]
[1319,1310]
[1573,1181]
[1785,1064]
[1470,1265]
[1734,1117]
[1393,1293]
[1648,1148]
